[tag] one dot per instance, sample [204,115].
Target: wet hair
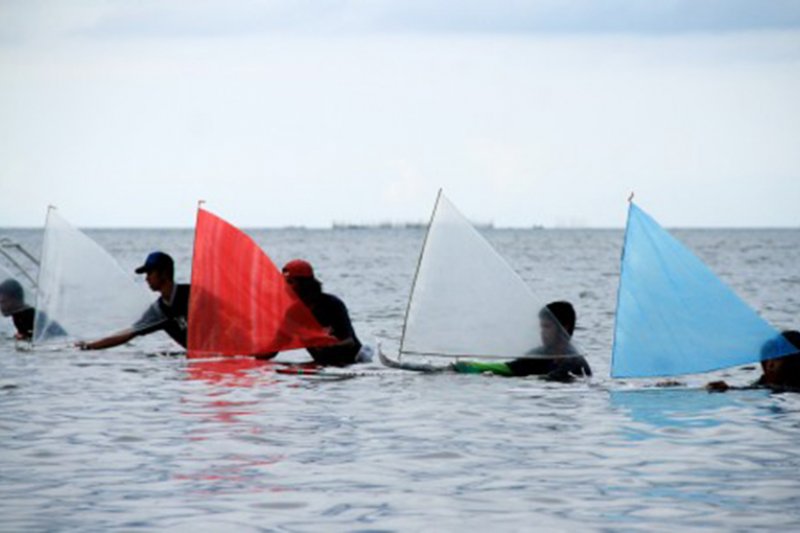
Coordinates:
[791,363]
[793,336]
[563,312]
[307,287]
[13,289]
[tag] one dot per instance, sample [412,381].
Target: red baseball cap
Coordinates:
[298,268]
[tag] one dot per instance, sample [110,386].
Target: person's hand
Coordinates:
[561,375]
[669,383]
[82,345]
[458,366]
[717,386]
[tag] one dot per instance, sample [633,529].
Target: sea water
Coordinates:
[126,440]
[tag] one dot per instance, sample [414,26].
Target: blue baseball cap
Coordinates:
[157,261]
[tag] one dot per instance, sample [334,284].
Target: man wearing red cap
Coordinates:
[330,312]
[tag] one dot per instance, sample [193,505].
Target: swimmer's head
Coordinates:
[557,323]
[159,270]
[299,274]
[12,296]
[785,370]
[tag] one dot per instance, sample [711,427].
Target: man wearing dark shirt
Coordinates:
[12,303]
[168,313]
[330,312]
[556,324]
[556,359]
[780,374]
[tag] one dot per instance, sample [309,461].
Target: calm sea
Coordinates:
[124,440]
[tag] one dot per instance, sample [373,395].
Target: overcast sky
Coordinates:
[125,113]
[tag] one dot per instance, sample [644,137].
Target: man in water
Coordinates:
[556,359]
[12,303]
[330,312]
[779,373]
[169,313]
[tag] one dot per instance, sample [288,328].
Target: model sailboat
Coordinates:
[82,290]
[466,300]
[675,316]
[241,304]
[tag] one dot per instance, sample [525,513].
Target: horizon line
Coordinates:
[401,226]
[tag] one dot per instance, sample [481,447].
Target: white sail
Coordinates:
[467,300]
[82,290]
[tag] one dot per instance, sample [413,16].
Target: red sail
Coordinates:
[240,302]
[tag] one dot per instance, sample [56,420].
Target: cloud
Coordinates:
[294,129]
[590,16]
[31,20]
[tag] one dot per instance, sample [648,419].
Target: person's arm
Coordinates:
[341,323]
[721,386]
[151,321]
[717,386]
[672,383]
[568,368]
[476,367]
[341,343]
[539,350]
[23,321]
[107,342]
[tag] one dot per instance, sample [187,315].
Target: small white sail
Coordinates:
[82,290]
[467,301]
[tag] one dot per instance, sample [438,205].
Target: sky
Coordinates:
[283,113]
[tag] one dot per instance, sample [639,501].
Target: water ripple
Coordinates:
[126,441]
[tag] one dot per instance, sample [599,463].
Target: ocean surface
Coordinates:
[125,440]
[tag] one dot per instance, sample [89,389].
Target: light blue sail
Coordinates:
[674,316]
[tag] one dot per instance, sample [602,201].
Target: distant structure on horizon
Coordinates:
[397,225]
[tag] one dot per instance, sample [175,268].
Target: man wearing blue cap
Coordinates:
[168,313]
